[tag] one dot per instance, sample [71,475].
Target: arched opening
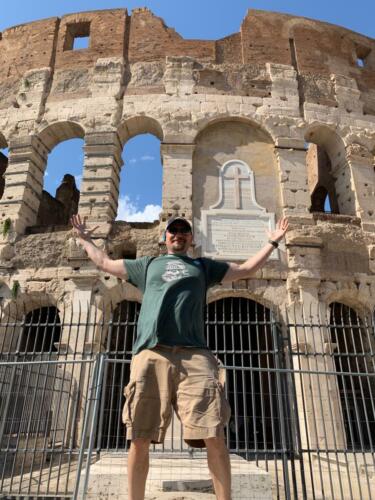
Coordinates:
[63,174]
[118,346]
[322,201]
[32,411]
[62,180]
[140,193]
[328,173]
[241,333]
[354,344]
[41,331]
[140,190]
[3,163]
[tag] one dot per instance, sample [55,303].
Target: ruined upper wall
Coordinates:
[235,64]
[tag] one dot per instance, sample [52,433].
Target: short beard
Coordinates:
[179,247]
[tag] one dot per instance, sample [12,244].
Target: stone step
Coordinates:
[176,477]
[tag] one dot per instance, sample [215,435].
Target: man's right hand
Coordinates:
[98,256]
[79,228]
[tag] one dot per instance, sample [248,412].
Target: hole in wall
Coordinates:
[77,36]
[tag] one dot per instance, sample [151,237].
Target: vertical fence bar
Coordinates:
[281,408]
[99,383]
[87,415]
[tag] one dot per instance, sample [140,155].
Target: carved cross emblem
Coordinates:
[236,177]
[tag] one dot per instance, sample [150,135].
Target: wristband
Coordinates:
[273,243]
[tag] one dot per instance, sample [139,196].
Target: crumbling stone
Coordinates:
[260,95]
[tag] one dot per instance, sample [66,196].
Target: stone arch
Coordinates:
[57,132]
[218,294]
[14,320]
[291,24]
[225,139]
[328,168]
[137,125]
[352,299]
[56,210]
[362,143]
[204,123]
[123,290]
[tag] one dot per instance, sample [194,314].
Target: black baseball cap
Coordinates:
[181,220]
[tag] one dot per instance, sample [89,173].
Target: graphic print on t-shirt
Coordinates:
[174,271]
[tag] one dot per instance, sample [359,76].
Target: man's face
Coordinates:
[178,238]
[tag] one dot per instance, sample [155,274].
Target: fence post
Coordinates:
[94,419]
[87,414]
[280,400]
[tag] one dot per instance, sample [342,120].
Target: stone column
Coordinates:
[177,162]
[318,398]
[361,163]
[23,182]
[77,338]
[295,196]
[101,177]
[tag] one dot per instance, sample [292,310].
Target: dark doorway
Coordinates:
[29,409]
[354,348]
[41,331]
[118,347]
[240,332]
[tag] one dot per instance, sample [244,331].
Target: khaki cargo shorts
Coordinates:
[181,378]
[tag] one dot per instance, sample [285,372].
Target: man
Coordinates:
[171,365]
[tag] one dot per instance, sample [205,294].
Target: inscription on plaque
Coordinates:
[235,227]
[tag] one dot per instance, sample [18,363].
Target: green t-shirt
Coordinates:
[174,291]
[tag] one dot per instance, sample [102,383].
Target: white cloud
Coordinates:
[46,174]
[130,212]
[147,158]
[133,160]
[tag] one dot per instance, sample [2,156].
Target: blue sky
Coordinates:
[200,19]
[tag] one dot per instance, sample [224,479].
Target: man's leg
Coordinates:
[138,462]
[219,466]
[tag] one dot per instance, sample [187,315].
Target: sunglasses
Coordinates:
[177,229]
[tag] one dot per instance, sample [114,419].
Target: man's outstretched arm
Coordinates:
[99,258]
[249,267]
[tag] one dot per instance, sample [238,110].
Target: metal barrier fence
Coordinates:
[301,389]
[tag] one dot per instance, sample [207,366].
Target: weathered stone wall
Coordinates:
[258,95]
[233,65]
[226,141]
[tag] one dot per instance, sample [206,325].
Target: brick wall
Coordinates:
[314,48]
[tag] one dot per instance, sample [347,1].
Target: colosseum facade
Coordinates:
[287,107]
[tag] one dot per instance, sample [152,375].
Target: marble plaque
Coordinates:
[235,237]
[235,227]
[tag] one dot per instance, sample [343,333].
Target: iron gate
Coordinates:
[302,392]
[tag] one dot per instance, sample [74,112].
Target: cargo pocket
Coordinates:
[203,404]
[127,412]
[225,410]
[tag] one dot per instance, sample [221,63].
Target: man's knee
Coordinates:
[215,443]
[140,445]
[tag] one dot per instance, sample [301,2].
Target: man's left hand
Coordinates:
[281,228]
